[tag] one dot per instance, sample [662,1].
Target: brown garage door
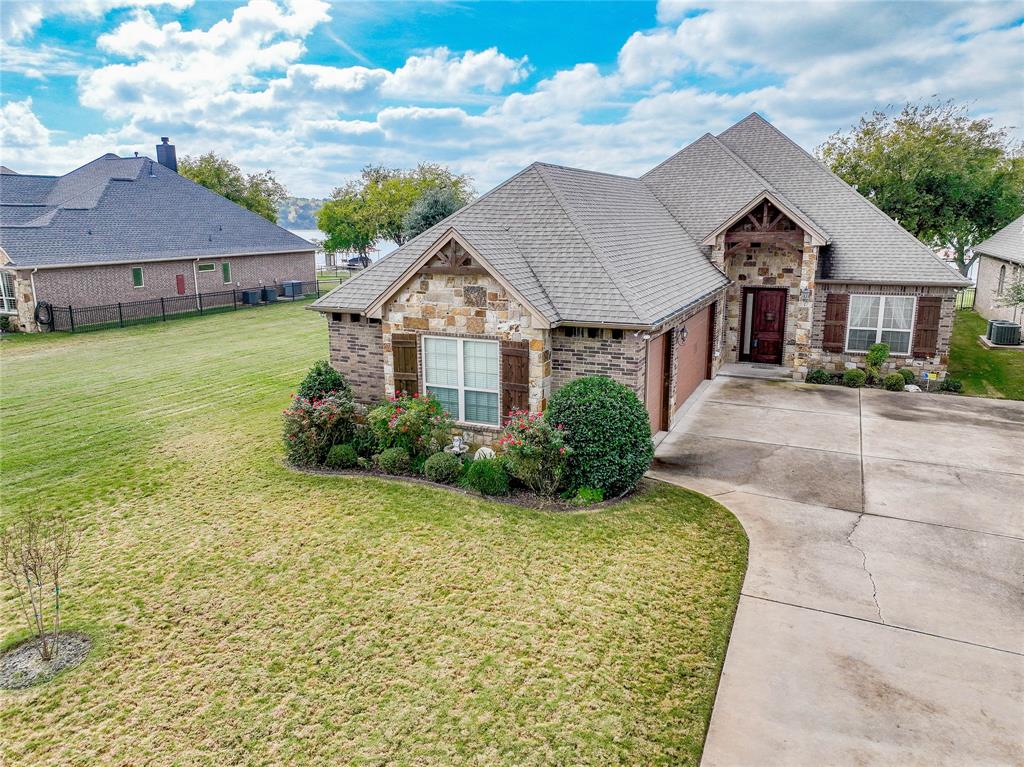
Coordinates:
[657,376]
[692,356]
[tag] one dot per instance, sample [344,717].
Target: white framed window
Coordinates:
[462,373]
[137,279]
[880,319]
[1002,280]
[8,304]
[207,267]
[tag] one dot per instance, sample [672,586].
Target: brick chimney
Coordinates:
[165,154]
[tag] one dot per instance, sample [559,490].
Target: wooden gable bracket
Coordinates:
[767,219]
[452,258]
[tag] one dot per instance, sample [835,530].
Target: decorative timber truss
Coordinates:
[764,225]
[452,258]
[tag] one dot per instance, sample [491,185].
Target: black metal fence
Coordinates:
[78,318]
[965,298]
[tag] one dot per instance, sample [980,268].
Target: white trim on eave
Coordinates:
[168,258]
[375,308]
[818,237]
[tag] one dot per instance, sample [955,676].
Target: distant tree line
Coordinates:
[299,212]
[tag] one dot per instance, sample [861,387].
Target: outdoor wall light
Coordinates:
[684,335]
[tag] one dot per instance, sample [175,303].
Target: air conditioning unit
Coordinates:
[270,294]
[293,289]
[1005,333]
[250,297]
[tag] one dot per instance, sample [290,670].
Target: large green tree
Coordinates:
[346,221]
[259,192]
[950,179]
[374,208]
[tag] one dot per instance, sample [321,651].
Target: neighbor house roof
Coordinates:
[119,209]
[585,247]
[1007,243]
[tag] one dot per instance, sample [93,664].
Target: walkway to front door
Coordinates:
[764,325]
[880,620]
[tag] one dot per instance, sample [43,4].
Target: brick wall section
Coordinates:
[839,361]
[623,360]
[97,285]
[988,283]
[357,352]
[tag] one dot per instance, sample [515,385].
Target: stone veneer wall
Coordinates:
[988,283]
[770,267]
[357,352]
[467,305]
[839,361]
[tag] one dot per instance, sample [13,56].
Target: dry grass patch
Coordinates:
[245,613]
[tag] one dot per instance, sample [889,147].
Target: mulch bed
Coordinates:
[517,497]
[21,666]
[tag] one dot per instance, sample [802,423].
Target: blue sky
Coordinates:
[316,90]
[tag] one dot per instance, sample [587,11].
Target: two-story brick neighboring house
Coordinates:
[741,248]
[123,229]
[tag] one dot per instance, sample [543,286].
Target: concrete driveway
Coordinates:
[882,617]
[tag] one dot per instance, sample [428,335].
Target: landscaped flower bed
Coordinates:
[871,376]
[594,442]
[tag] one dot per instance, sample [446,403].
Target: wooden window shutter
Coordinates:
[406,363]
[837,306]
[515,377]
[926,330]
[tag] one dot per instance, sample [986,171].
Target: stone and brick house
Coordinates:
[123,229]
[739,249]
[1000,264]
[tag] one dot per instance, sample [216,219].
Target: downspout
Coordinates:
[195,283]
[32,281]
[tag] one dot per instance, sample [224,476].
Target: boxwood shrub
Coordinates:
[854,378]
[894,382]
[951,384]
[607,431]
[909,376]
[819,376]
[487,476]
[342,457]
[442,467]
[394,460]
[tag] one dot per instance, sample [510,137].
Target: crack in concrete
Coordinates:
[864,565]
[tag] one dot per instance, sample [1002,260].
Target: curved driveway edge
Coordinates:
[882,616]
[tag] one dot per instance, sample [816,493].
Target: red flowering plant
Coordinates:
[535,451]
[312,426]
[417,424]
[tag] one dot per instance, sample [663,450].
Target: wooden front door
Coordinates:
[765,321]
[179,284]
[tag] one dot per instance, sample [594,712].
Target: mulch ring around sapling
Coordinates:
[21,666]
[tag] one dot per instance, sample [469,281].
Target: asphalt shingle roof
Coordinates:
[1007,243]
[117,209]
[586,247]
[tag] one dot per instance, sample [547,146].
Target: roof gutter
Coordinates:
[903,283]
[163,260]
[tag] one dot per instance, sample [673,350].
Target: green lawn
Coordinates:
[984,372]
[247,614]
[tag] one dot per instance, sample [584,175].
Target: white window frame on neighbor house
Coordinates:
[225,272]
[206,266]
[460,386]
[879,327]
[142,277]
[8,301]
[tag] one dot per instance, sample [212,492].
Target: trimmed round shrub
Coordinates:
[442,467]
[342,457]
[854,378]
[607,432]
[894,382]
[951,385]
[322,380]
[908,375]
[819,376]
[486,476]
[394,460]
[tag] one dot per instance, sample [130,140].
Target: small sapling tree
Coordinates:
[35,552]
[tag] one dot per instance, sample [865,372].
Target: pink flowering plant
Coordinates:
[535,451]
[418,424]
[312,426]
